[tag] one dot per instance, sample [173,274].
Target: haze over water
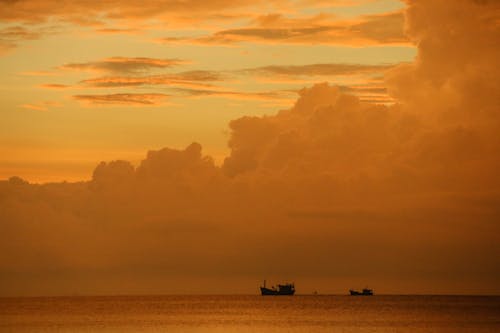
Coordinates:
[251,314]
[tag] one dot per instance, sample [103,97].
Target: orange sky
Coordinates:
[90,81]
[334,143]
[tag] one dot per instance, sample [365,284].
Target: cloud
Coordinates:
[320,29]
[177,166]
[39,73]
[383,28]
[456,60]
[172,11]
[126,17]
[117,31]
[41,106]
[406,196]
[288,141]
[350,74]
[198,78]
[11,36]
[285,97]
[203,83]
[199,83]
[124,65]
[79,11]
[131,99]
[55,86]
[320,69]
[34,107]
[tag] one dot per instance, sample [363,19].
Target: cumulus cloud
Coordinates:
[325,125]
[456,59]
[331,192]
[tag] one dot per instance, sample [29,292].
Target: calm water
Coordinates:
[251,314]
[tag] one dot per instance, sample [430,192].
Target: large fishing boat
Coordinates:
[365,292]
[282,289]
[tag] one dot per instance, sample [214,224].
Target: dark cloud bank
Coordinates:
[332,193]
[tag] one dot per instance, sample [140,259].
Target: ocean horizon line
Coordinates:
[242,294]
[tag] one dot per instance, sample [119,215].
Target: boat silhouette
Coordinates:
[365,292]
[282,289]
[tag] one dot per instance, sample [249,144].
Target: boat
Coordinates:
[365,292]
[282,289]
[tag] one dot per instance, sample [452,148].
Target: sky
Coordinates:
[186,147]
[94,82]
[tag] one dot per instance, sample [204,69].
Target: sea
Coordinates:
[321,313]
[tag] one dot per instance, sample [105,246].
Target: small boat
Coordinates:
[282,289]
[365,292]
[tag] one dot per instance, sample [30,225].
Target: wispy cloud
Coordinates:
[280,95]
[191,78]
[223,16]
[117,31]
[123,99]
[318,69]
[347,76]
[11,36]
[124,64]
[41,106]
[320,29]
[86,12]
[40,73]
[54,86]
[204,83]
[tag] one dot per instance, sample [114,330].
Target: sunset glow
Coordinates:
[180,147]
[132,78]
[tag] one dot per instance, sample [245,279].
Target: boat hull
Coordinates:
[274,292]
[363,293]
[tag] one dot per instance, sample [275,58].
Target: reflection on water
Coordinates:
[251,314]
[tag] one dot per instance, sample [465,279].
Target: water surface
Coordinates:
[251,314]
